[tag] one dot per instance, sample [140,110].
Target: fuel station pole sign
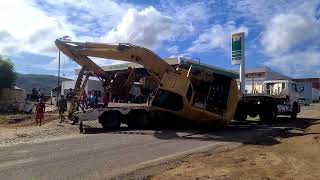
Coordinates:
[238,56]
[237,52]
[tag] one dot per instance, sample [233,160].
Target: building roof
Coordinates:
[264,69]
[307,79]
[187,63]
[171,61]
[125,66]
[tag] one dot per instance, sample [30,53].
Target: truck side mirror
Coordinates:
[302,89]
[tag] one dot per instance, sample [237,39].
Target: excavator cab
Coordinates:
[205,95]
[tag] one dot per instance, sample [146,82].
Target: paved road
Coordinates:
[101,154]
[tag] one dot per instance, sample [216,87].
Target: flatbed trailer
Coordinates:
[133,115]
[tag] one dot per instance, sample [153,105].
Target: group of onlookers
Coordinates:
[89,100]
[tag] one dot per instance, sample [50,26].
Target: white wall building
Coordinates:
[92,86]
[255,77]
[311,88]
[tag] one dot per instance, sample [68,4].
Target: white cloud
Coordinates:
[291,37]
[148,28]
[88,16]
[215,38]
[103,61]
[173,49]
[185,55]
[32,26]
[301,63]
[263,10]
[287,31]
[28,29]
[189,14]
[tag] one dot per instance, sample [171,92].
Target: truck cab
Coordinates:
[278,97]
[281,88]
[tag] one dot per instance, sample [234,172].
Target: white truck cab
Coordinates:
[282,88]
[277,97]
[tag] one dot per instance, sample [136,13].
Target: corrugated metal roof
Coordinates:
[187,63]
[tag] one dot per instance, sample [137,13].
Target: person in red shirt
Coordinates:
[105,100]
[40,109]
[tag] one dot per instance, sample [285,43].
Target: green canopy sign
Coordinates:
[237,51]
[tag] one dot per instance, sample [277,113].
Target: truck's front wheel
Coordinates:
[241,113]
[267,114]
[294,112]
[110,120]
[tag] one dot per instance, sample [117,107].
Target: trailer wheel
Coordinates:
[138,119]
[268,114]
[110,120]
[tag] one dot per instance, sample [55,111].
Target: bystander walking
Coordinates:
[40,109]
[62,104]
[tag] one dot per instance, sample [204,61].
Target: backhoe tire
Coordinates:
[110,120]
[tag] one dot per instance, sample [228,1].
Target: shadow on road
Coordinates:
[248,132]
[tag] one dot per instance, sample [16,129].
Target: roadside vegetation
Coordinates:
[3,119]
[7,73]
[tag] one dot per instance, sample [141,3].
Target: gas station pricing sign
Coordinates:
[237,51]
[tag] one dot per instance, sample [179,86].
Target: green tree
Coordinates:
[7,73]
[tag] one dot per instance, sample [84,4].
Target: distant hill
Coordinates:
[45,82]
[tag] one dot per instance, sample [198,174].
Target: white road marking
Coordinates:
[17,162]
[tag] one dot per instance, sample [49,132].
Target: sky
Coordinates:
[281,34]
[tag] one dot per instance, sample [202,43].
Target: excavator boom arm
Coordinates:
[79,52]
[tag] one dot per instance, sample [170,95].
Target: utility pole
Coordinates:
[59,89]
[242,76]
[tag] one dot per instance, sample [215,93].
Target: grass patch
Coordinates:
[4,119]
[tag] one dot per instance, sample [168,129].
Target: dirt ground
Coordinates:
[291,154]
[25,130]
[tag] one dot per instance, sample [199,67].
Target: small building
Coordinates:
[92,86]
[311,88]
[12,99]
[255,77]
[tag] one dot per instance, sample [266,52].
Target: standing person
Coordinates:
[89,99]
[40,109]
[105,99]
[40,94]
[94,100]
[70,94]
[62,104]
[34,95]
